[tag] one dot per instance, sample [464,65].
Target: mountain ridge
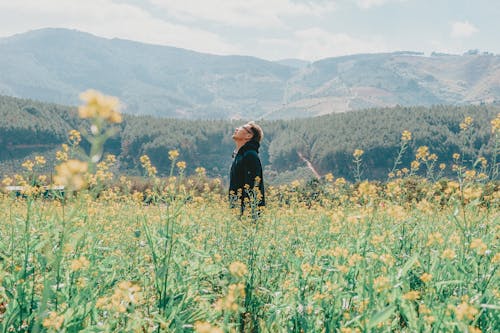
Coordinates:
[55,65]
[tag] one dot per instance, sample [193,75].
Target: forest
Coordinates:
[29,128]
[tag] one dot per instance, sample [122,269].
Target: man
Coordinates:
[246,185]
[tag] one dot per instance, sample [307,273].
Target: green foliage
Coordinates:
[328,142]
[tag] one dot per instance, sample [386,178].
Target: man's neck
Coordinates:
[240,144]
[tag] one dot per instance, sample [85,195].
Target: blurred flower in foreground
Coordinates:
[71,174]
[100,106]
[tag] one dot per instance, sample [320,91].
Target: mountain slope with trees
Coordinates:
[28,127]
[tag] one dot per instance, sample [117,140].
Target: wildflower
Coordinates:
[205,327]
[456,156]
[74,137]
[422,153]
[442,166]
[448,254]
[146,164]
[465,310]
[406,136]
[478,245]
[381,283]
[80,263]
[358,153]
[495,124]
[173,154]
[71,174]
[7,181]
[235,291]
[181,165]
[53,321]
[496,258]
[329,177]
[40,160]
[411,295]
[238,269]
[415,165]
[466,123]
[200,171]
[473,329]
[100,106]
[435,238]
[28,165]
[426,277]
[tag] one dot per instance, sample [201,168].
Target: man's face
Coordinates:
[243,133]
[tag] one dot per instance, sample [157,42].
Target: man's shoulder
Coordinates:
[250,153]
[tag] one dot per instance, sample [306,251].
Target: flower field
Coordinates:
[413,254]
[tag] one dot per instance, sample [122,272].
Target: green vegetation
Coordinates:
[407,255]
[328,142]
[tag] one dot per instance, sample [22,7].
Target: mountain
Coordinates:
[55,65]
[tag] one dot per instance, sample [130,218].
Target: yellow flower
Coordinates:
[80,263]
[53,321]
[478,245]
[230,302]
[181,165]
[238,269]
[422,153]
[173,154]
[415,165]
[28,165]
[466,123]
[456,156]
[205,327]
[448,254]
[442,166]
[329,177]
[71,174]
[406,136]
[200,171]
[465,310]
[412,295]
[40,160]
[381,283]
[358,153]
[426,277]
[495,124]
[74,137]
[7,181]
[100,106]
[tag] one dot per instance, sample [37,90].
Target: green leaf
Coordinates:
[381,316]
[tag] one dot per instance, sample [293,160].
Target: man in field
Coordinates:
[246,185]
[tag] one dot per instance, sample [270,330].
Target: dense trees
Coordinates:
[327,142]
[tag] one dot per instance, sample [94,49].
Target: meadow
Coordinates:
[418,253]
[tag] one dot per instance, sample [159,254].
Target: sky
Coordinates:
[273,29]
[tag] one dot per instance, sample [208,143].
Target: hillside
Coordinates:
[29,128]
[55,65]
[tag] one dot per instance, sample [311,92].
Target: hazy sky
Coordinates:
[273,29]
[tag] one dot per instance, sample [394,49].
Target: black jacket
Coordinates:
[245,168]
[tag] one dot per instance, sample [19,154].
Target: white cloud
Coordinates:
[108,19]
[463,29]
[315,43]
[258,14]
[367,4]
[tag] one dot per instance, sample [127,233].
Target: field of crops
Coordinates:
[413,254]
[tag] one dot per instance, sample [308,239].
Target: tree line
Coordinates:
[29,127]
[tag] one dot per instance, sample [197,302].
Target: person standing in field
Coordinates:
[246,185]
